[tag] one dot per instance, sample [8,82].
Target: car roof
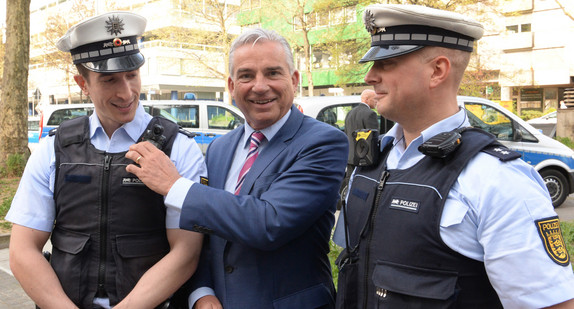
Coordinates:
[53,107]
[311,106]
[191,103]
[327,100]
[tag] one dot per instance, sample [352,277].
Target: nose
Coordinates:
[371,77]
[260,84]
[124,90]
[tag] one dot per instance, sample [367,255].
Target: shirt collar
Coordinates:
[133,128]
[458,120]
[455,121]
[269,132]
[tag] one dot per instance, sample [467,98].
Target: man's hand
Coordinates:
[155,168]
[208,302]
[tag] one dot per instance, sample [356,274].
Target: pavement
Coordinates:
[12,296]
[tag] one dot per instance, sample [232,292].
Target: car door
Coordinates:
[217,120]
[335,114]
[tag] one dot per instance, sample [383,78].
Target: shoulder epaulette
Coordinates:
[501,152]
[187,133]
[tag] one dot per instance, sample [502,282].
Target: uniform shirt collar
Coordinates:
[133,128]
[123,137]
[402,158]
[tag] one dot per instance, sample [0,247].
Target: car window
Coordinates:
[33,125]
[494,121]
[335,115]
[68,113]
[222,118]
[184,115]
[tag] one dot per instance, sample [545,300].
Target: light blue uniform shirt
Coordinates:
[33,205]
[489,216]
[178,192]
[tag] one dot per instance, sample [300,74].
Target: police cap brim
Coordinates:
[117,64]
[381,52]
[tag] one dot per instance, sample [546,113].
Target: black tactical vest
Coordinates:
[110,228]
[401,260]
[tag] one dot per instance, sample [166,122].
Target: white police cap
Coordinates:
[398,29]
[107,43]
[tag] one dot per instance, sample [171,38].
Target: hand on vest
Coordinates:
[155,170]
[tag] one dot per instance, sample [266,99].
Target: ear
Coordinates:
[441,67]
[82,83]
[295,79]
[230,85]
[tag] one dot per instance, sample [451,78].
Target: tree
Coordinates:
[208,44]
[294,14]
[321,30]
[14,99]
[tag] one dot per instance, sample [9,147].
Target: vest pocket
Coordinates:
[403,286]
[69,263]
[134,255]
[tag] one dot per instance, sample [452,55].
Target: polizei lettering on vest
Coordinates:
[402,204]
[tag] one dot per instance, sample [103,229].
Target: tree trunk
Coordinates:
[14,99]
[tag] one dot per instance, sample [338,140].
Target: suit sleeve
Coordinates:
[371,122]
[298,187]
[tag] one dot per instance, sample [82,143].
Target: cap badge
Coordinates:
[370,22]
[114,25]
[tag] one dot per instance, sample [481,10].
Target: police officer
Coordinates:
[114,244]
[447,217]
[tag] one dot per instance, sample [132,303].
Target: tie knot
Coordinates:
[256,138]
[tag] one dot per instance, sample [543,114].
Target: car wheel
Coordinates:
[557,186]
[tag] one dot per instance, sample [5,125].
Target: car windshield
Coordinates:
[68,113]
[185,116]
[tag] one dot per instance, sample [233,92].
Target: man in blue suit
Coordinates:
[268,244]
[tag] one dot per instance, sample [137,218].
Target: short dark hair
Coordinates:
[82,71]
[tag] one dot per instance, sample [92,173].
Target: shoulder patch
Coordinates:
[551,235]
[501,152]
[203,180]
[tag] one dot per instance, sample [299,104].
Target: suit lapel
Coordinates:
[223,159]
[277,145]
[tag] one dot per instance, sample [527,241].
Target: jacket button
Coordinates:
[229,269]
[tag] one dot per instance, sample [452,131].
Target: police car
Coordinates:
[206,119]
[33,132]
[552,159]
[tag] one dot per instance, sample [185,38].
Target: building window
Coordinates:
[323,19]
[526,28]
[519,28]
[512,29]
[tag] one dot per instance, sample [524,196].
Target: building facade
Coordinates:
[528,45]
[173,69]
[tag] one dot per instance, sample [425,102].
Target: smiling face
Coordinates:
[400,85]
[261,84]
[115,96]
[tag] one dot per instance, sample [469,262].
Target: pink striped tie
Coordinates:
[256,138]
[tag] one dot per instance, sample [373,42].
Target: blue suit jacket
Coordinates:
[268,246]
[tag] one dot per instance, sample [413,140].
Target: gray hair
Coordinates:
[252,36]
